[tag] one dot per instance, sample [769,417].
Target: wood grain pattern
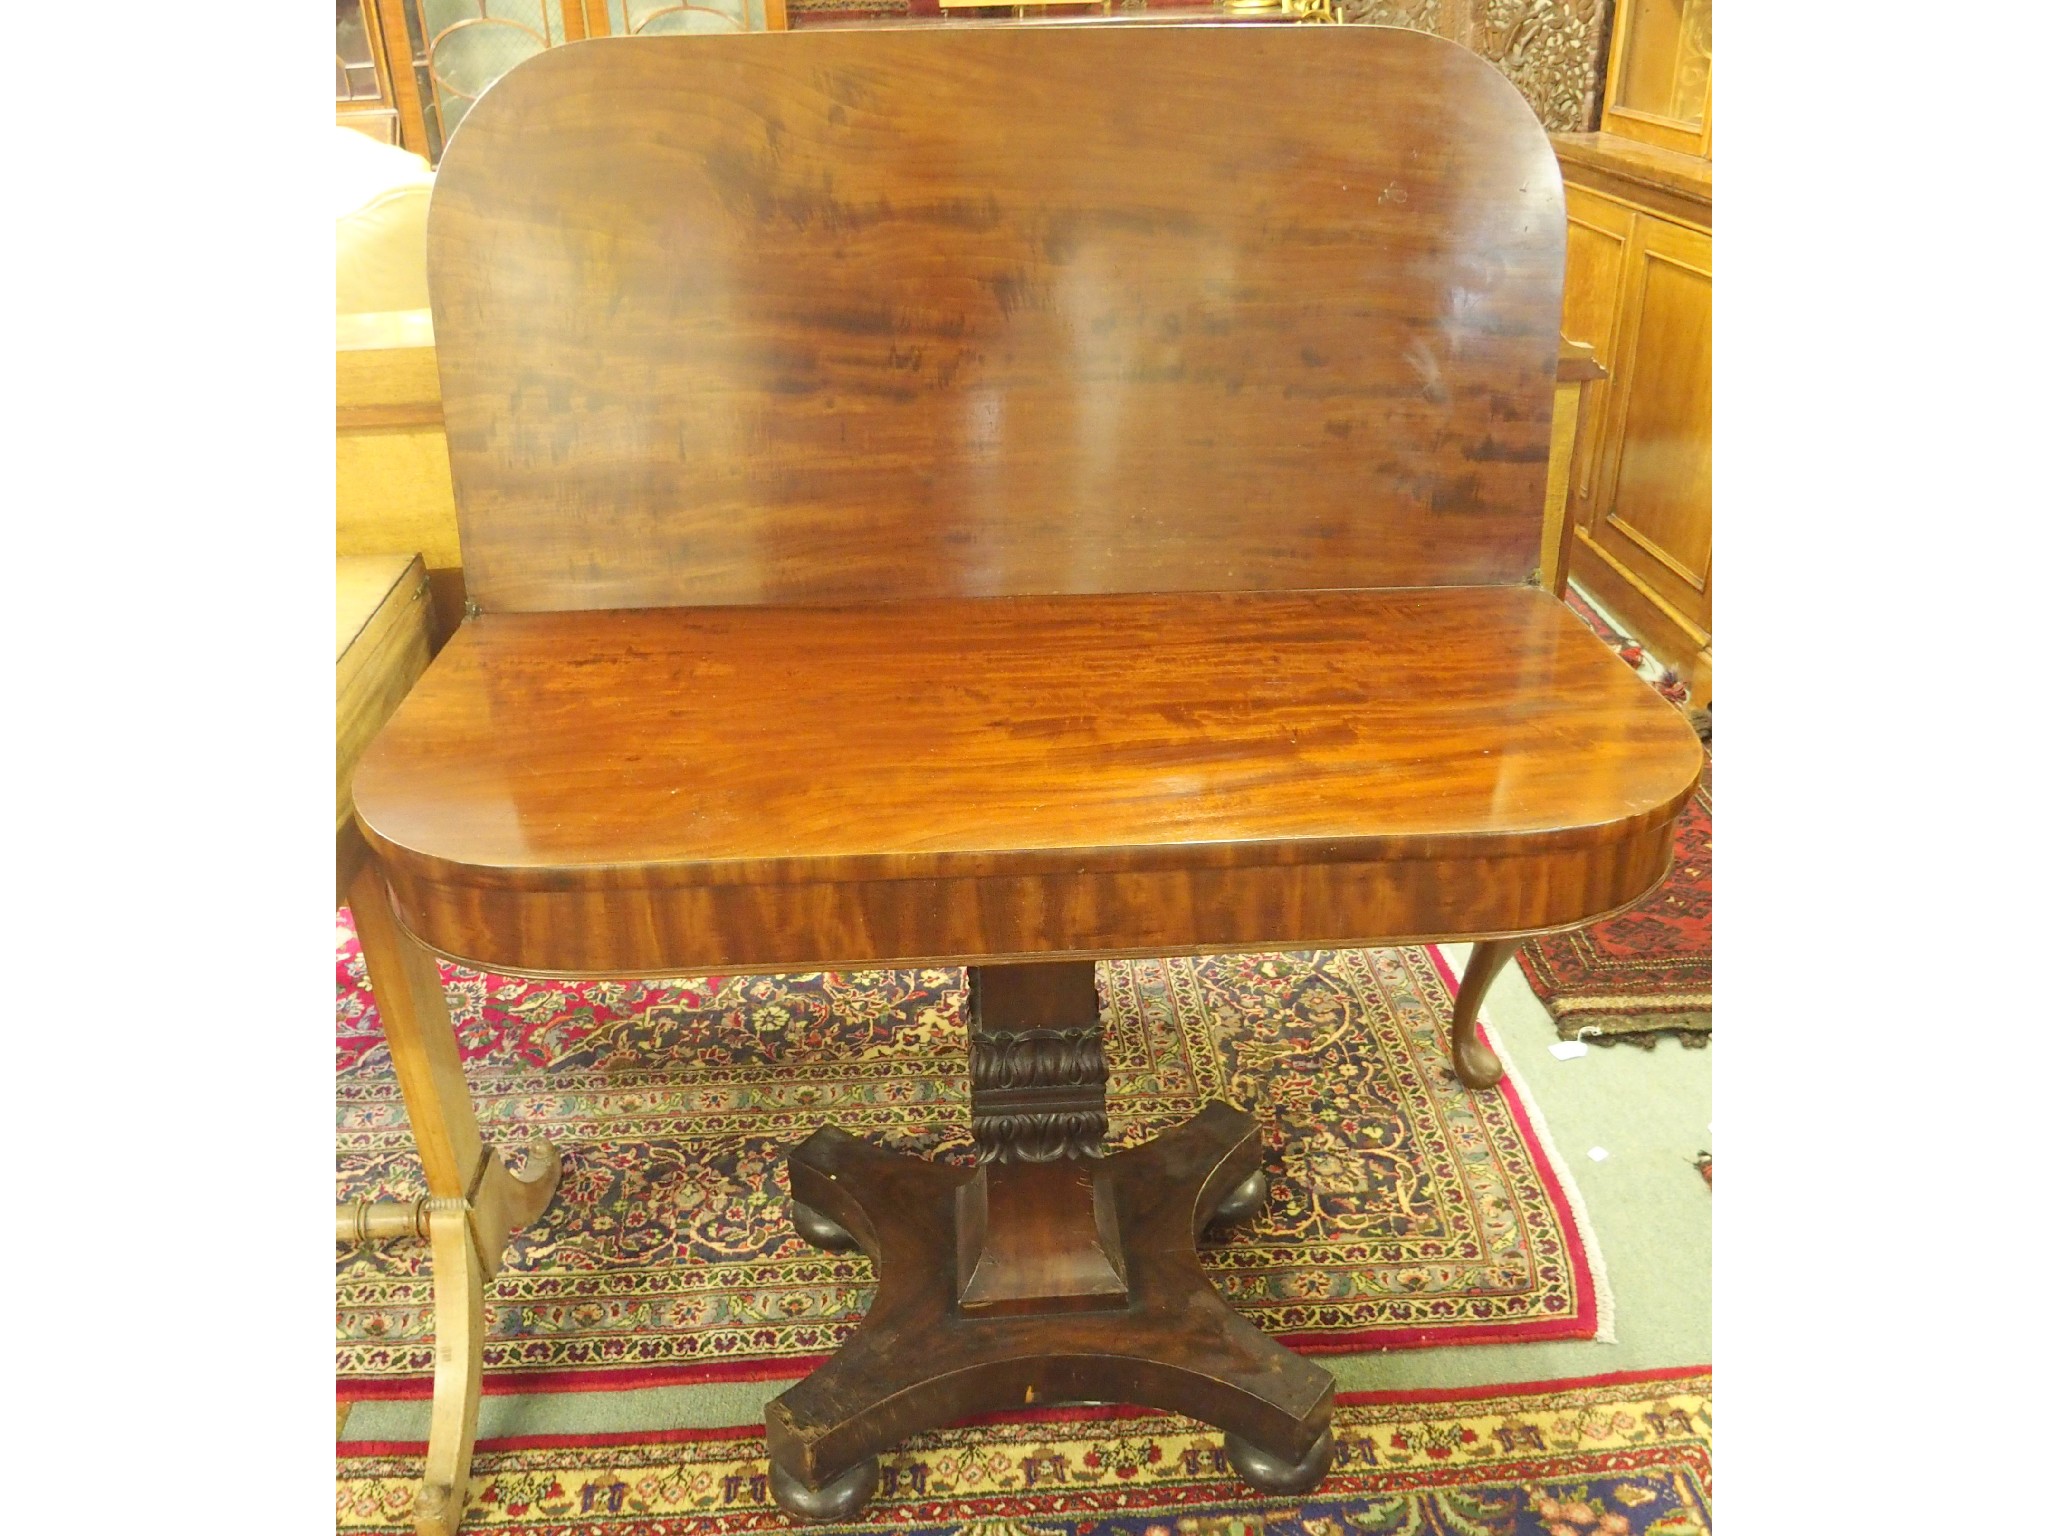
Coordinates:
[392,488]
[669,931]
[1000,778]
[787,318]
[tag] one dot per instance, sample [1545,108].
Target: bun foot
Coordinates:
[1243,1202]
[1475,1064]
[839,1498]
[819,1230]
[1269,1474]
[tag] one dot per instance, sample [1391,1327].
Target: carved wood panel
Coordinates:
[1037,1073]
[1421,15]
[1555,52]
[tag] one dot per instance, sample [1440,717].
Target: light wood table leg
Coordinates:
[458,1373]
[474,1202]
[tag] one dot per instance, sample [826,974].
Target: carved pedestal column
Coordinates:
[1036,1072]
[1048,1273]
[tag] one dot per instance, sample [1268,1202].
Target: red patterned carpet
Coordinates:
[1649,971]
[1624,1455]
[1406,1211]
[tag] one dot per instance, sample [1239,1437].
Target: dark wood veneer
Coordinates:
[808,317]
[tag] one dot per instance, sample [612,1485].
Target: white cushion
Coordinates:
[380,224]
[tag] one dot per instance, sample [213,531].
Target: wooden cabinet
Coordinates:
[1639,290]
[1656,503]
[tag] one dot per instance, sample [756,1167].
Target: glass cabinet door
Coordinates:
[362,97]
[1660,78]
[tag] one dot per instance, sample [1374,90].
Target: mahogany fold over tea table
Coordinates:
[1004,499]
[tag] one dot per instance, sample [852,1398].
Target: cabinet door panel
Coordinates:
[1595,235]
[1658,513]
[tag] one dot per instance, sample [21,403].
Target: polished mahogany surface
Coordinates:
[824,316]
[763,761]
[745,745]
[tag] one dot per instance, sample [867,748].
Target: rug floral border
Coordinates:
[1630,1451]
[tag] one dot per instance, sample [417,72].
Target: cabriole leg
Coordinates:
[1477,1066]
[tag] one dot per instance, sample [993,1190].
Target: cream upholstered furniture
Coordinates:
[380,224]
[391,490]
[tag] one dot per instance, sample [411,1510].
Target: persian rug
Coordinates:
[1623,1455]
[1649,971]
[1405,1210]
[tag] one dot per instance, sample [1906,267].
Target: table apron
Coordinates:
[701,929]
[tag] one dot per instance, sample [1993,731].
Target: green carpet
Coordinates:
[1650,1211]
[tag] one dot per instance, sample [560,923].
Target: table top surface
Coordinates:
[1007,735]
